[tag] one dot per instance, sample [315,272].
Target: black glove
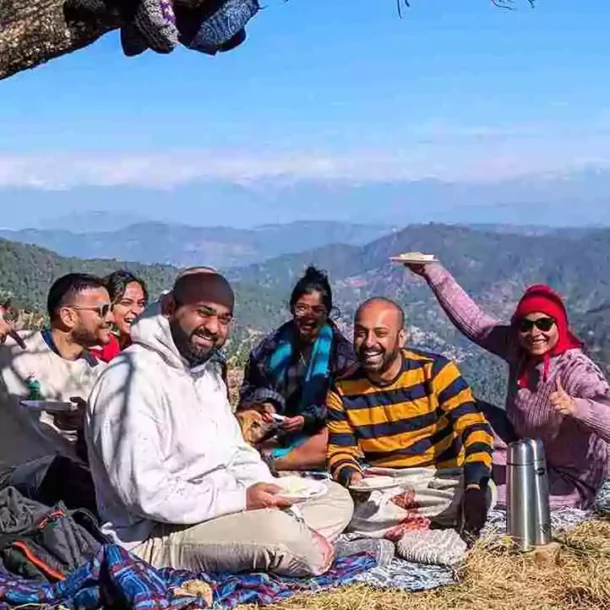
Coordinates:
[474,512]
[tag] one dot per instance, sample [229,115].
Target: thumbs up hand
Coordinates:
[561,401]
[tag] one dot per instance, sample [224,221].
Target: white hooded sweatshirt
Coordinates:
[164,446]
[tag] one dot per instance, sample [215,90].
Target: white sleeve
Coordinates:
[125,429]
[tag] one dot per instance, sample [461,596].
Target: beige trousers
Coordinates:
[291,543]
[420,497]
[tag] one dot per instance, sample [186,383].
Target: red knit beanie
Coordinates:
[543,299]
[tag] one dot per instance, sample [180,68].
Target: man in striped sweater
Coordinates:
[411,416]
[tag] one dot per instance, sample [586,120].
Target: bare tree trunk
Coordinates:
[35,31]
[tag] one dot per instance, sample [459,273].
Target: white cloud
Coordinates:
[475,153]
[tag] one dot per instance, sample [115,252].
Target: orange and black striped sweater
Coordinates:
[426,417]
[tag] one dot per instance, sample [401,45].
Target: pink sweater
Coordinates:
[576,447]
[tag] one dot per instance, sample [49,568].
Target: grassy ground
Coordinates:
[575,577]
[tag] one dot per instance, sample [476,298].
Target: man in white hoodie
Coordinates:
[175,481]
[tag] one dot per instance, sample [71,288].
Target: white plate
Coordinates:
[299,489]
[52,406]
[414,258]
[374,483]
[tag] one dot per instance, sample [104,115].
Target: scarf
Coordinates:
[543,299]
[318,368]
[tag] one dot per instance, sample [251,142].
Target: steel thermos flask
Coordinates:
[528,515]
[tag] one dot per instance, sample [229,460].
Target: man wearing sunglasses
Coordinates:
[53,366]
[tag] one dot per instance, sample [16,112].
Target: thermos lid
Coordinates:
[525,451]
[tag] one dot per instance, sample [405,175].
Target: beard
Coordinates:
[88,338]
[194,354]
[378,360]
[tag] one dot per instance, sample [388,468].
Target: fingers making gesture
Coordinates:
[561,401]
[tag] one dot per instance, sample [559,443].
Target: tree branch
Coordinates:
[34,31]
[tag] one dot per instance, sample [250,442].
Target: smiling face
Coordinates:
[309,315]
[88,317]
[378,338]
[129,307]
[537,333]
[199,329]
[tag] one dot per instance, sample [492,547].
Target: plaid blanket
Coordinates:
[116,578]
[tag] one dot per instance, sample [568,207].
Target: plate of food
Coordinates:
[299,489]
[414,258]
[374,483]
[52,406]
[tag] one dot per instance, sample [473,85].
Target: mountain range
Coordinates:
[493,267]
[115,236]
[555,199]
[184,246]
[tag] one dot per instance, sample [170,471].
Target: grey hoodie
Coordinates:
[164,446]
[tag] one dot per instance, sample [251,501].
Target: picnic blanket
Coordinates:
[409,576]
[115,577]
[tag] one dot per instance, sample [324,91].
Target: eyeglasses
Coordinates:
[101,310]
[303,310]
[543,324]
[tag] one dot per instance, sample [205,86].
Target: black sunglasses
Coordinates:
[543,324]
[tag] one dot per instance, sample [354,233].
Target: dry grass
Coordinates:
[576,577]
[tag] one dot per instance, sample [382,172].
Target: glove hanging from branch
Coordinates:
[210,26]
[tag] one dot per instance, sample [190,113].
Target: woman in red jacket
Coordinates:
[129,298]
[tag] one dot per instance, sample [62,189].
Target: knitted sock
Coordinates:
[224,26]
[382,550]
[156,23]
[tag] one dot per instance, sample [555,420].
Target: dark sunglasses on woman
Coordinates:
[543,324]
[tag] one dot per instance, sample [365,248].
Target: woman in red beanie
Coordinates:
[555,393]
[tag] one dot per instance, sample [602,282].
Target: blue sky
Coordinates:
[456,89]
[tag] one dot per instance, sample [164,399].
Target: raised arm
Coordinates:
[465,314]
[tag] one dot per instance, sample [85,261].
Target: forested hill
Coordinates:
[494,267]
[27,272]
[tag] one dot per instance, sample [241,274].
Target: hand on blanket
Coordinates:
[264,495]
[474,510]
[293,424]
